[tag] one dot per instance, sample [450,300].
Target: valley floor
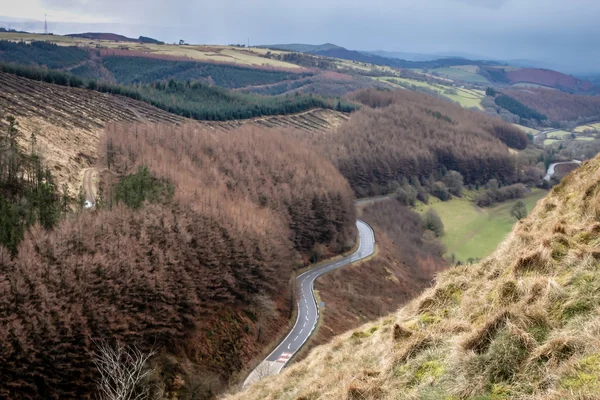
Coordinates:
[473,232]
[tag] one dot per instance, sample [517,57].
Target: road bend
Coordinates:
[308,309]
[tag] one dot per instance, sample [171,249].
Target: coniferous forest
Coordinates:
[190,250]
[403,137]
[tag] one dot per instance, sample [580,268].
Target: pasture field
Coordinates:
[532,85]
[467,98]
[588,127]
[474,232]
[467,68]
[585,138]
[550,142]
[527,129]
[558,135]
[207,53]
[461,74]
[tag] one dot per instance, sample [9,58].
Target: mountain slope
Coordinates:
[68,122]
[524,323]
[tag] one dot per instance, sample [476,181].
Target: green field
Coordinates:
[558,135]
[527,129]
[585,138]
[588,127]
[465,97]
[473,232]
[550,142]
[460,74]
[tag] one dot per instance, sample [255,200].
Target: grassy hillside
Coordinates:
[522,324]
[460,75]
[467,98]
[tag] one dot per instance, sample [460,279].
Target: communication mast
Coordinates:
[45,24]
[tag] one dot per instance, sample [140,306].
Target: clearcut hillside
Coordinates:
[522,324]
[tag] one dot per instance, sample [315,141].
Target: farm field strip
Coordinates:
[465,97]
[461,74]
[558,134]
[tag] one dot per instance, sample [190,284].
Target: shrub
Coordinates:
[433,222]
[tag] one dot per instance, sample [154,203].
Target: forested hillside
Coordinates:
[41,54]
[412,137]
[190,99]
[559,106]
[130,70]
[189,253]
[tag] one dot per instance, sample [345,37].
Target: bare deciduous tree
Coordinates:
[123,372]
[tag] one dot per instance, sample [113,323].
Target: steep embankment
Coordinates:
[68,122]
[524,323]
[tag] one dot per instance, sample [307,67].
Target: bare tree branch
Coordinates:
[123,370]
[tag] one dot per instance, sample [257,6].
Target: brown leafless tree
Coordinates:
[123,372]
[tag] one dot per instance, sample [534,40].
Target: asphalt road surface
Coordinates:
[551,167]
[308,310]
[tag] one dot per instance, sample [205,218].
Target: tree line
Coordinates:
[28,193]
[516,107]
[41,54]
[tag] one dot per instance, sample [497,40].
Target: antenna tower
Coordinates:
[45,24]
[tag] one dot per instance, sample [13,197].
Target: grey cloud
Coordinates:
[556,31]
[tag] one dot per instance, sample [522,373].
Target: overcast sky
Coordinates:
[565,32]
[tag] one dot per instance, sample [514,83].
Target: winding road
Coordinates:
[551,167]
[308,310]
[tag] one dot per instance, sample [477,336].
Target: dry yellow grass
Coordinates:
[522,324]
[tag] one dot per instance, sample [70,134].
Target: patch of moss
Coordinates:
[431,369]
[359,335]
[373,329]
[584,375]
[428,318]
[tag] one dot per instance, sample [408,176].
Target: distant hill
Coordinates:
[549,78]
[303,48]
[403,56]
[334,51]
[542,77]
[113,37]
[102,36]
